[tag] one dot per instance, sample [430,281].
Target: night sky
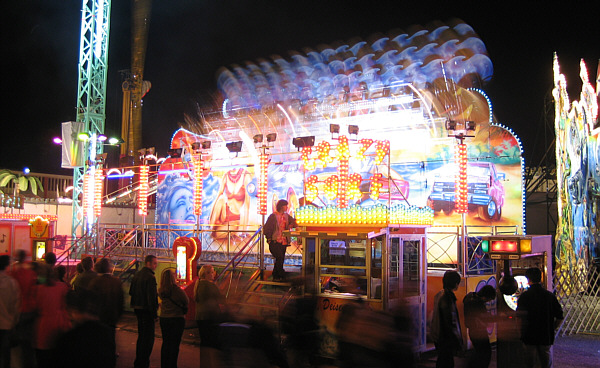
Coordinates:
[190,39]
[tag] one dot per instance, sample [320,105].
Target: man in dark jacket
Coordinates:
[83,281]
[445,325]
[477,319]
[278,222]
[107,292]
[540,315]
[144,301]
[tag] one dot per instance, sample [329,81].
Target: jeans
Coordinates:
[445,358]
[278,252]
[5,348]
[482,355]
[145,340]
[209,333]
[24,332]
[172,330]
[543,353]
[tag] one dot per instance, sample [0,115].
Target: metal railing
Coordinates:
[444,248]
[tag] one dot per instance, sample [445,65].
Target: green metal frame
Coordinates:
[91,94]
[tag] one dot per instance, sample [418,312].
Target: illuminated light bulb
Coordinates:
[343,182]
[310,188]
[98,188]
[199,186]
[309,164]
[264,159]
[382,148]
[365,143]
[87,201]
[343,147]
[331,187]
[461,194]
[323,152]
[376,185]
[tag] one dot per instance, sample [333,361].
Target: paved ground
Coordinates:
[577,351]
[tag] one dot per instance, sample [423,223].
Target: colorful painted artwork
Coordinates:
[577,172]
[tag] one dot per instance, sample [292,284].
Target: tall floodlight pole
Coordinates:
[91,100]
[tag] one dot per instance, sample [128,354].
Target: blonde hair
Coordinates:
[204,270]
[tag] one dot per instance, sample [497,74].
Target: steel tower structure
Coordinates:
[91,99]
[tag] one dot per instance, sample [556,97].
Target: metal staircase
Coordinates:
[246,291]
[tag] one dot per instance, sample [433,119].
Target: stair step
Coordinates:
[265,294]
[274,283]
[259,306]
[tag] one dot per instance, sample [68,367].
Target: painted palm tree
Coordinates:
[21,182]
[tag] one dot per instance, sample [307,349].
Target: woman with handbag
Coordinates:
[173,309]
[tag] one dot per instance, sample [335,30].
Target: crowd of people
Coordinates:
[538,312]
[49,320]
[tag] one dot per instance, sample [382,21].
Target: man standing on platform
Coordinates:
[144,301]
[278,222]
[540,315]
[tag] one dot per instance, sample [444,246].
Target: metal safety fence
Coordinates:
[578,291]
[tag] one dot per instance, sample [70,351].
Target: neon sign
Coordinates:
[143,191]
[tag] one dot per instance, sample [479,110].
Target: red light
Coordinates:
[382,148]
[310,188]
[332,187]
[309,164]
[198,186]
[461,202]
[263,182]
[376,185]
[354,186]
[87,200]
[343,155]
[98,185]
[365,143]
[504,246]
[323,151]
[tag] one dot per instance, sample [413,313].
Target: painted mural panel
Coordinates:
[578,172]
[420,176]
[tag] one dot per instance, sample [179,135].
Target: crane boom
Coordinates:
[134,87]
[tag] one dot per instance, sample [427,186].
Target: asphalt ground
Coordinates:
[574,351]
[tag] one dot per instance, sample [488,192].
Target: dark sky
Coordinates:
[190,39]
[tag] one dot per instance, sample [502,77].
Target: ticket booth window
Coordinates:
[343,266]
[405,268]
[377,245]
[410,266]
